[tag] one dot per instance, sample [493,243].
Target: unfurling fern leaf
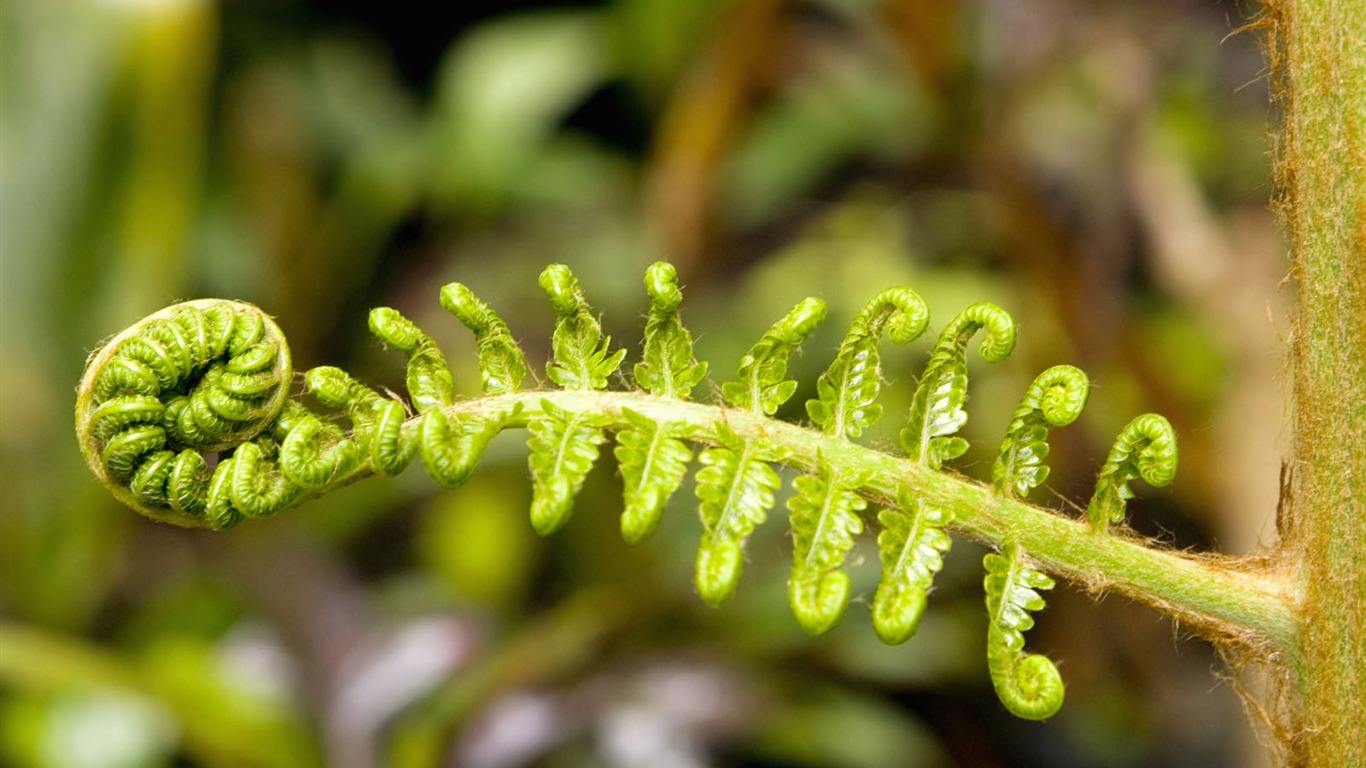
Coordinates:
[761,385]
[1027,684]
[912,546]
[736,484]
[430,384]
[735,487]
[847,391]
[1145,448]
[581,358]
[1054,399]
[452,446]
[502,366]
[652,461]
[825,521]
[667,367]
[937,408]
[651,457]
[379,424]
[564,446]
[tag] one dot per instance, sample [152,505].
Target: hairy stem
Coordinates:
[1214,599]
[1322,79]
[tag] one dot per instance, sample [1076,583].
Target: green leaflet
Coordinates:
[502,366]
[581,359]
[314,453]
[911,546]
[379,424]
[1054,399]
[825,521]
[735,487]
[564,446]
[451,448]
[847,391]
[429,378]
[761,387]
[937,408]
[652,463]
[668,368]
[259,488]
[1145,448]
[1027,684]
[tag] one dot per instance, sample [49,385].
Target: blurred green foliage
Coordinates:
[1096,168]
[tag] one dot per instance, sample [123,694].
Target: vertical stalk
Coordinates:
[1322,167]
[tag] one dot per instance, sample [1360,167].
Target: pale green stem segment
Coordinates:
[1145,448]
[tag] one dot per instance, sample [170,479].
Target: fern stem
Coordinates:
[1204,592]
[1321,64]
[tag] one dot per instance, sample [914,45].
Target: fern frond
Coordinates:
[379,424]
[735,487]
[1054,399]
[668,368]
[1145,448]
[937,408]
[564,447]
[825,521]
[430,384]
[847,391]
[502,366]
[452,446]
[1027,684]
[761,386]
[652,461]
[911,546]
[581,357]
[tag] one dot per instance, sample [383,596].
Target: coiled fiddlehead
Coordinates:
[186,383]
[1027,684]
[1145,448]
[1055,399]
[912,544]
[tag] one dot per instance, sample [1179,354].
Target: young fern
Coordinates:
[736,484]
[911,544]
[186,418]
[825,509]
[1054,399]
[651,458]
[564,444]
[1027,684]
[1145,448]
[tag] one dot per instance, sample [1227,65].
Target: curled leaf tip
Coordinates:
[661,283]
[1054,399]
[1029,685]
[1146,448]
